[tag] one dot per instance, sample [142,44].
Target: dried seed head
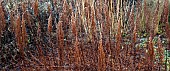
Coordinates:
[23,7]
[155,22]
[93,24]
[18,35]
[108,46]
[166,10]
[131,21]
[24,34]
[60,41]
[160,51]
[39,29]
[50,24]
[77,52]
[108,22]
[86,3]
[151,50]
[138,23]
[60,32]
[2,19]
[86,13]
[35,7]
[101,57]
[18,27]
[12,21]
[118,38]
[97,14]
[28,18]
[134,34]
[65,6]
[70,9]
[165,20]
[73,24]
[49,9]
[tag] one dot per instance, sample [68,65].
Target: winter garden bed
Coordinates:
[84,35]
